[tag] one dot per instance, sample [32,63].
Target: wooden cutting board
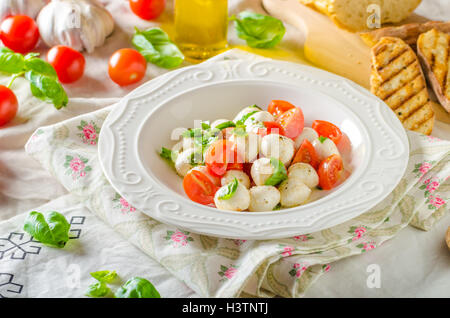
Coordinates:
[332,48]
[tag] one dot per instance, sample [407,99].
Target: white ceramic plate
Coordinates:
[143,122]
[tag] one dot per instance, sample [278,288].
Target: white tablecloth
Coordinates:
[24,185]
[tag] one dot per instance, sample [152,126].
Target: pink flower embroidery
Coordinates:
[287,251]
[76,166]
[178,238]
[436,201]
[298,269]
[368,246]
[303,238]
[230,272]
[89,132]
[326,268]
[124,205]
[432,186]
[239,242]
[359,231]
[424,168]
[227,272]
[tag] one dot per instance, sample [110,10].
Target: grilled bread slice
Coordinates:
[397,79]
[407,32]
[433,48]
[355,14]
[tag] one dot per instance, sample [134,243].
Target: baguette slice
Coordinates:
[407,32]
[433,50]
[398,80]
[354,15]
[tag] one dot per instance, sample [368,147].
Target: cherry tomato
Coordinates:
[19,33]
[127,66]
[328,130]
[307,154]
[8,105]
[272,127]
[68,63]
[278,107]
[292,122]
[147,9]
[199,187]
[222,156]
[344,145]
[329,172]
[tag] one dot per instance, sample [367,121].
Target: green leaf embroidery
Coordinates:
[137,287]
[279,173]
[228,191]
[104,276]
[154,44]
[97,290]
[258,30]
[51,229]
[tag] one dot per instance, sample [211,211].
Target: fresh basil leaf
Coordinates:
[279,173]
[154,44]
[245,117]
[205,125]
[11,62]
[228,191]
[137,287]
[51,229]
[322,139]
[47,88]
[258,30]
[225,125]
[104,276]
[97,290]
[40,67]
[166,153]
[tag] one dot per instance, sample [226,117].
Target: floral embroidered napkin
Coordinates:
[216,267]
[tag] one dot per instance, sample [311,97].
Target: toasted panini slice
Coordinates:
[407,32]
[398,80]
[433,49]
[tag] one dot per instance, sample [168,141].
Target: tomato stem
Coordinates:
[13,78]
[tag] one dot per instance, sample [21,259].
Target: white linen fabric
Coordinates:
[24,185]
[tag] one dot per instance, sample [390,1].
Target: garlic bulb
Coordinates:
[30,8]
[80,24]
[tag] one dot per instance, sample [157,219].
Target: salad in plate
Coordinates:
[261,160]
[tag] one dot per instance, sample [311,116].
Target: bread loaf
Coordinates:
[354,14]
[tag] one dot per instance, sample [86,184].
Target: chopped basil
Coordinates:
[322,139]
[258,30]
[225,125]
[279,173]
[169,155]
[228,191]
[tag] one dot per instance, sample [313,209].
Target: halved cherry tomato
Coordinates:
[199,187]
[19,33]
[222,156]
[344,145]
[328,130]
[292,122]
[68,63]
[307,154]
[278,107]
[329,172]
[127,66]
[147,9]
[272,127]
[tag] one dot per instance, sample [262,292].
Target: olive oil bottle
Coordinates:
[201,27]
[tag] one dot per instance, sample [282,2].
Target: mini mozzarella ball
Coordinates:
[204,170]
[277,146]
[240,200]
[183,162]
[218,122]
[261,170]
[245,111]
[247,146]
[305,173]
[241,177]
[256,121]
[307,133]
[325,149]
[293,192]
[188,143]
[263,198]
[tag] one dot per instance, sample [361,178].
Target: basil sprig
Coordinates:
[137,287]
[228,191]
[279,174]
[154,44]
[258,30]
[43,79]
[50,229]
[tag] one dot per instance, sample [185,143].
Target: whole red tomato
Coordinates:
[127,66]
[147,9]
[68,63]
[19,33]
[8,105]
